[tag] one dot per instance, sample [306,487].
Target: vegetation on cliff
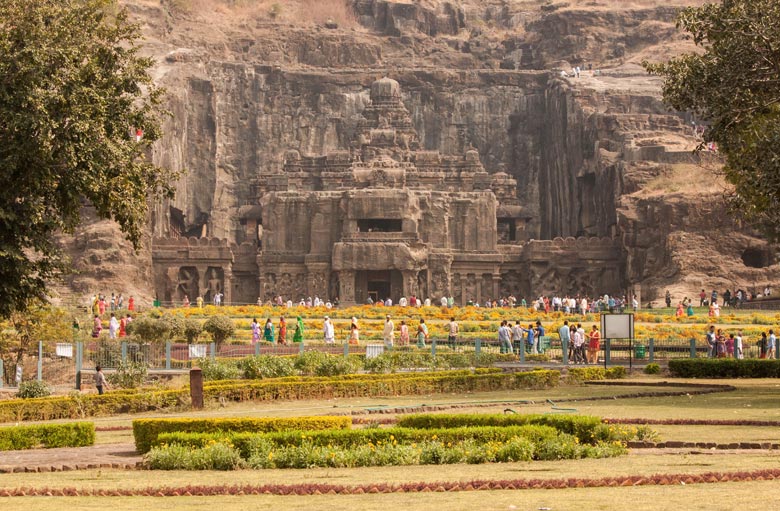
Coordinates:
[78,112]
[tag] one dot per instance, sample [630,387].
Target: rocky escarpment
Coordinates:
[594,156]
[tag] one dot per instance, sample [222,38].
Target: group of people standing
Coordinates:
[117,327]
[268,332]
[583,348]
[720,345]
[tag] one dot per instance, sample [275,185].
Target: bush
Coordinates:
[218,456]
[266,366]
[581,374]
[652,368]
[128,375]
[75,434]
[724,368]
[396,446]
[146,431]
[220,327]
[150,330]
[214,370]
[32,389]
[308,362]
[295,387]
[192,330]
[583,427]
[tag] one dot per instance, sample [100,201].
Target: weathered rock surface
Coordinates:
[592,156]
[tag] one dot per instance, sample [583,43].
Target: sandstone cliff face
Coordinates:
[245,88]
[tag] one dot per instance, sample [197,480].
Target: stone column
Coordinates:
[202,281]
[478,279]
[347,287]
[496,285]
[228,285]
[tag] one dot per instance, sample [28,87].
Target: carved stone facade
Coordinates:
[384,219]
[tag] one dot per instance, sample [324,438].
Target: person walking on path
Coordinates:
[255,326]
[100,380]
[389,332]
[594,344]
[282,330]
[422,334]
[771,345]
[328,331]
[298,335]
[268,331]
[113,326]
[404,336]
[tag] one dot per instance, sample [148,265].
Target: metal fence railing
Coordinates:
[62,363]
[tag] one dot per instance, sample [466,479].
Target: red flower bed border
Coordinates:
[335,489]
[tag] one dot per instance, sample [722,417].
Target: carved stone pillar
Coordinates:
[347,287]
[496,286]
[228,287]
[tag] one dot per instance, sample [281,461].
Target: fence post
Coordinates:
[478,346]
[168,355]
[2,374]
[79,362]
[301,348]
[40,360]
[257,348]
[346,349]
[565,351]
[607,352]
[124,352]
[693,348]
[651,350]
[213,350]
[433,348]
[521,349]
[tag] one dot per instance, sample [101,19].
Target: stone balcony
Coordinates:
[381,237]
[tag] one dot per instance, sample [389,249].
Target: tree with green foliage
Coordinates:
[733,84]
[220,327]
[73,92]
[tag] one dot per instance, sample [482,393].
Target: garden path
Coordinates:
[119,455]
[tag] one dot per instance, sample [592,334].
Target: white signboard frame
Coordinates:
[617,326]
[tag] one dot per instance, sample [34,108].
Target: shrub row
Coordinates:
[146,431]
[380,385]
[74,434]
[724,368]
[316,363]
[265,454]
[583,374]
[346,438]
[78,405]
[586,428]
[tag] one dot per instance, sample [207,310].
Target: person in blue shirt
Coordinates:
[539,335]
[530,333]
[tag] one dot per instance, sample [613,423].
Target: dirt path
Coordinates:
[70,458]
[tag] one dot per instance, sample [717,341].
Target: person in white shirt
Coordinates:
[328,331]
[738,353]
[389,332]
[771,345]
[113,327]
[427,302]
[443,301]
[402,302]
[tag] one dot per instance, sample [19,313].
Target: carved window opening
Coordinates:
[380,225]
[507,230]
[756,258]
[176,222]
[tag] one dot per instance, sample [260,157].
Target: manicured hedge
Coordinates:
[356,437]
[582,374]
[289,388]
[146,431]
[584,427]
[74,434]
[724,368]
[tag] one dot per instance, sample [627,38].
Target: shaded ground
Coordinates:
[71,458]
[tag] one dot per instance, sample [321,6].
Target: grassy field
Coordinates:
[753,399]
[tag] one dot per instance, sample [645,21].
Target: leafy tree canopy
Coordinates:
[733,83]
[73,90]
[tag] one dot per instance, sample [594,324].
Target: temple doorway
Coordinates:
[379,285]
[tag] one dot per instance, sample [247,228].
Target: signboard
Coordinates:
[617,326]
